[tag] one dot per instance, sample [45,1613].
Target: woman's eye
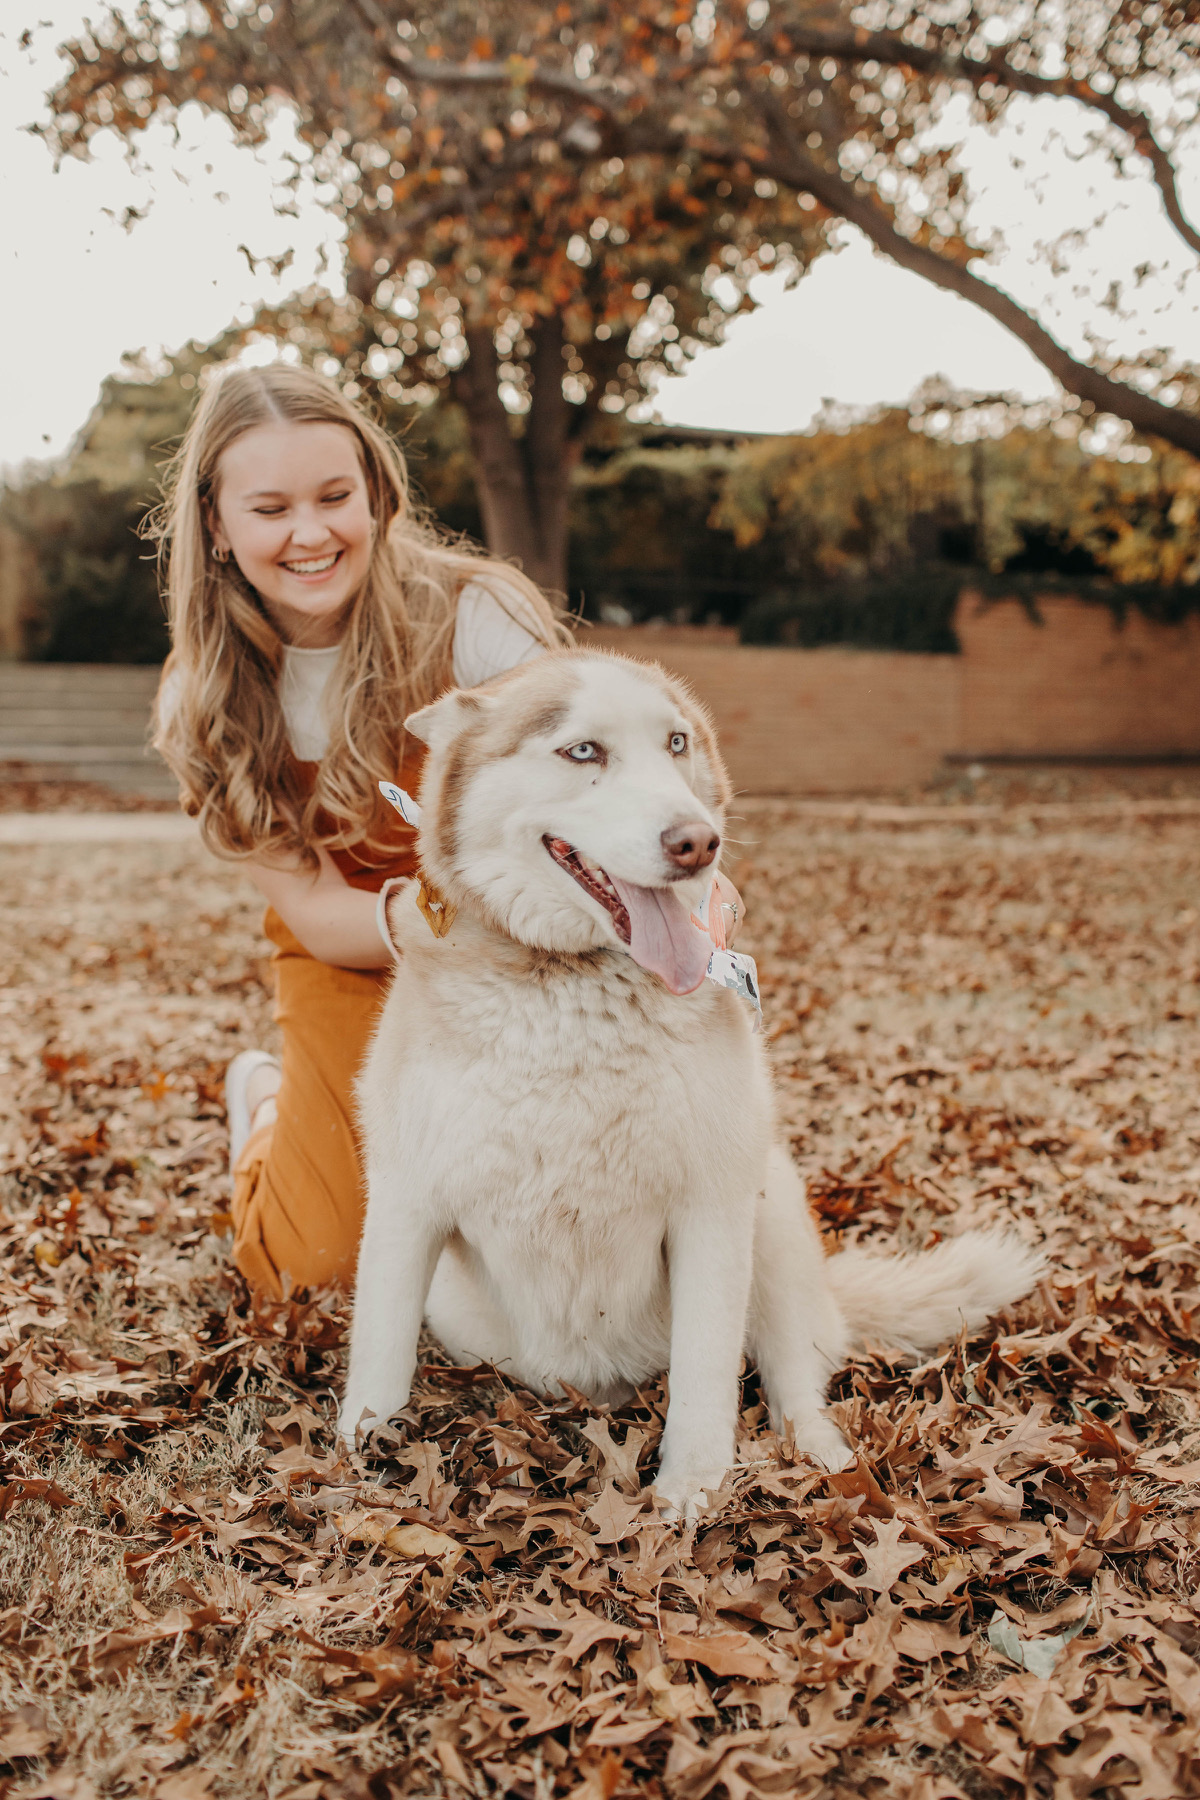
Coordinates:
[335,499]
[678,743]
[586,752]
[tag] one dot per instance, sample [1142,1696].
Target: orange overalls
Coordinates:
[298,1196]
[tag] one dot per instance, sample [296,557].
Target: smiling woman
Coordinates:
[311,613]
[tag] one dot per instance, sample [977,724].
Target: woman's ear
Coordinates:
[220,542]
[441,722]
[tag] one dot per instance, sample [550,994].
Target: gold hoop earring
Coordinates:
[219,555]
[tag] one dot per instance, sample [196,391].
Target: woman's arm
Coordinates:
[334,921]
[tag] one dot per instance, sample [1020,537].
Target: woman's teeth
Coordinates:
[313,568]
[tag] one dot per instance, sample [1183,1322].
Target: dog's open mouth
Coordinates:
[652,922]
[593,881]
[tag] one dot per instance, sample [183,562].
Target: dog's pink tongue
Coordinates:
[662,937]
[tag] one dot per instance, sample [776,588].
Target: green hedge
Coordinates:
[648,541]
[97,592]
[913,610]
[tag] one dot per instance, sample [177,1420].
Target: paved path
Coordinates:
[175,828]
[96,828]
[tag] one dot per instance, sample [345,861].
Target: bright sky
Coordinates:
[79,287]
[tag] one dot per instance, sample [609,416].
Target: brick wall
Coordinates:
[844,721]
[829,721]
[1080,683]
[812,721]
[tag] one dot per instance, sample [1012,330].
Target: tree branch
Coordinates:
[788,162]
[517,71]
[474,193]
[883,47]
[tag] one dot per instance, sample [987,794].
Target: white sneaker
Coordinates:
[237,1097]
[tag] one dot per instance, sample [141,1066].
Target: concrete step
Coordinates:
[149,777]
[46,709]
[29,680]
[69,749]
[82,722]
[18,740]
[96,828]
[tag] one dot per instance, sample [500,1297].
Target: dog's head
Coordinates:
[577,803]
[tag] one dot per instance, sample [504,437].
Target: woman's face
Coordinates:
[293,511]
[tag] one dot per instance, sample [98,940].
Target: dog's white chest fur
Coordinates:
[553,1114]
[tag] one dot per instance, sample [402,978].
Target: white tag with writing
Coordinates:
[730,969]
[404,803]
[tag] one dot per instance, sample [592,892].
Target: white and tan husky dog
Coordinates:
[571,1159]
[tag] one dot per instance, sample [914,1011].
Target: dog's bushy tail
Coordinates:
[919,1302]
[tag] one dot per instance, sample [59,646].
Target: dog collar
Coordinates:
[434,908]
[432,904]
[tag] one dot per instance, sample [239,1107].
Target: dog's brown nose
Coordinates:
[690,846]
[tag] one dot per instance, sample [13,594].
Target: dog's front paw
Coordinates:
[820,1438]
[683,1491]
[357,1419]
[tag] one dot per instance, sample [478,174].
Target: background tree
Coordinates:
[856,532]
[835,100]
[968,481]
[497,245]
[545,203]
[90,582]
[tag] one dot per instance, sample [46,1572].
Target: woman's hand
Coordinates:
[335,922]
[732,909]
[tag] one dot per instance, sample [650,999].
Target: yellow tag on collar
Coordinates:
[437,911]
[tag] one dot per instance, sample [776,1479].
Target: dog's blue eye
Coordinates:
[586,752]
[678,743]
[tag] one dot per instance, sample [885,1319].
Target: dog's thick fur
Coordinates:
[571,1169]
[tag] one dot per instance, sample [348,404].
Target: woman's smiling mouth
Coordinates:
[317,565]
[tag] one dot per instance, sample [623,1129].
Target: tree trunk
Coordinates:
[548,453]
[523,483]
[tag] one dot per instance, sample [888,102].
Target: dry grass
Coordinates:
[984,1021]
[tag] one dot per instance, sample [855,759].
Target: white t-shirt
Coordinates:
[489,638]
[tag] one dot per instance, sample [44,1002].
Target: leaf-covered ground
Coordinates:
[972,1018]
[25,788]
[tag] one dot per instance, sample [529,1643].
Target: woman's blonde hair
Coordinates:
[219,724]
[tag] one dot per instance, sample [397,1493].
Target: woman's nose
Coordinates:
[309,529]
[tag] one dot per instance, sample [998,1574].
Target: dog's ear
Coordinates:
[440,723]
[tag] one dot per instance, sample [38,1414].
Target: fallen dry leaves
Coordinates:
[970,1022]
